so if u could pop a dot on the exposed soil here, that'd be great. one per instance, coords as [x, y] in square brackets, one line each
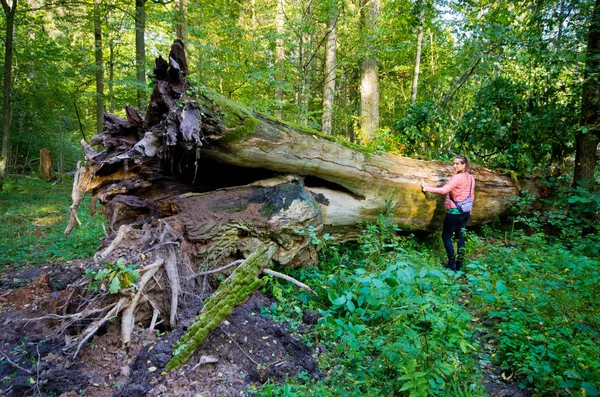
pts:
[243, 353]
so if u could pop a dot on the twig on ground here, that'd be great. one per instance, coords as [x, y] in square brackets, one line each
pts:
[14, 364]
[243, 351]
[290, 279]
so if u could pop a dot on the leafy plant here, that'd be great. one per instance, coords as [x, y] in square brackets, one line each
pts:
[113, 277]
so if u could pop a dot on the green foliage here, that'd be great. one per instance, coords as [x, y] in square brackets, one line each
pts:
[34, 214]
[114, 276]
[540, 299]
[391, 324]
[569, 214]
[517, 126]
[424, 131]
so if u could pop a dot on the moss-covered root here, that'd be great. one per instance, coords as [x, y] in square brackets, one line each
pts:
[242, 283]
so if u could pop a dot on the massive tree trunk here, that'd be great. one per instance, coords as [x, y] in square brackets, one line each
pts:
[200, 182]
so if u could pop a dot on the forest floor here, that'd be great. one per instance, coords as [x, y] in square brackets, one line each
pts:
[244, 352]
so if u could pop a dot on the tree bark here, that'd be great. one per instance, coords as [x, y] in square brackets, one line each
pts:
[45, 165]
[181, 20]
[369, 80]
[9, 12]
[330, 70]
[587, 142]
[279, 58]
[99, 67]
[140, 51]
[415, 82]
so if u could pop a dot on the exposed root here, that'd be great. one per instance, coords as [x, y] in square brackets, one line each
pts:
[123, 231]
[128, 316]
[173, 276]
[290, 279]
[95, 326]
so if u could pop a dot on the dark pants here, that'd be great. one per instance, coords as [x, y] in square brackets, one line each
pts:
[454, 224]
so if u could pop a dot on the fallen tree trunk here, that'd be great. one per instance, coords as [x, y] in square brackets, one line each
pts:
[200, 182]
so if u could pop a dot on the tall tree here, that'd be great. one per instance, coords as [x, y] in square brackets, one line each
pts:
[181, 20]
[140, 51]
[369, 80]
[586, 140]
[279, 58]
[99, 67]
[9, 12]
[330, 69]
[415, 82]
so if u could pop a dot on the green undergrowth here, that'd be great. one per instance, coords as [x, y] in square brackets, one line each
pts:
[394, 322]
[33, 217]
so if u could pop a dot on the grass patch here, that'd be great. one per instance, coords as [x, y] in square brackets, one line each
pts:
[33, 215]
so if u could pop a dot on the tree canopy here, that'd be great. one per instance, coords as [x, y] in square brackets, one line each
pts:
[500, 82]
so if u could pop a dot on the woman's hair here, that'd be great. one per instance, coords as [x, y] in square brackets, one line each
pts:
[464, 160]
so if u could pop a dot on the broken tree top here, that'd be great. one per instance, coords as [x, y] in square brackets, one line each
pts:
[198, 154]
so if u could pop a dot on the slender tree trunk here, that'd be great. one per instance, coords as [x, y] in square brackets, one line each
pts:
[369, 80]
[587, 143]
[111, 76]
[180, 20]
[330, 70]
[140, 51]
[415, 82]
[9, 12]
[99, 67]
[279, 58]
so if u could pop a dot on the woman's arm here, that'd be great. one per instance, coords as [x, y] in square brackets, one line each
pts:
[452, 183]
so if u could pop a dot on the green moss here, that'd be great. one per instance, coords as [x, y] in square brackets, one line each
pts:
[242, 122]
[239, 120]
[242, 283]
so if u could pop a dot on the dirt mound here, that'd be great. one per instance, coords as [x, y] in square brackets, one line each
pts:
[244, 352]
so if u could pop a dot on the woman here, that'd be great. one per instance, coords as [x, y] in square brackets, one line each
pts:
[460, 188]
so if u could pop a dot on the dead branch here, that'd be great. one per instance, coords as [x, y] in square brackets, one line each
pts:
[206, 273]
[290, 279]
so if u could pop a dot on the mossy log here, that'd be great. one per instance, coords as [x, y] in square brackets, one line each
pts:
[232, 292]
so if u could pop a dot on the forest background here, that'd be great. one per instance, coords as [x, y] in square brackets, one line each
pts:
[510, 84]
[498, 81]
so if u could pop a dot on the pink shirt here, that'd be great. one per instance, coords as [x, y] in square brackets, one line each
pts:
[458, 186]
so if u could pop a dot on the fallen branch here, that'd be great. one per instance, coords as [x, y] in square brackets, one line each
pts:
[290, 279]
[206, 273]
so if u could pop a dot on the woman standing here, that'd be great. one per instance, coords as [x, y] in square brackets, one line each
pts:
[459, 201]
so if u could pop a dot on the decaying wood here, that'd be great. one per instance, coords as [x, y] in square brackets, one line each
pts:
[199, 183]
[45, 164]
